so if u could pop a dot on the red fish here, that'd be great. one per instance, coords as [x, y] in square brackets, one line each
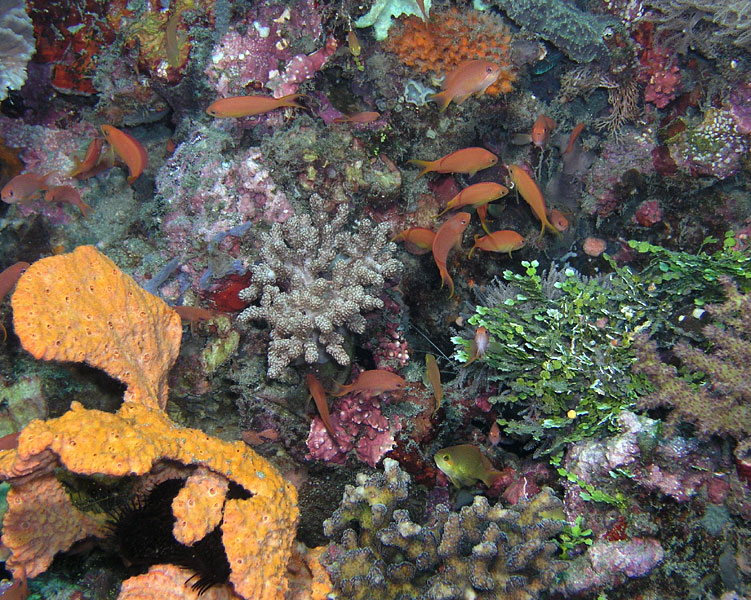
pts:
[558, 220]
[467, 160]
[376, 382]
[129, 149]
[246, 106]
[449, 234]
[476, 195]
[319, 397]
[24, 188]
[90, 159]
[573, 137]
[361, 118]
[541, 131]
[494, 435]
[498, 241]
[478, 346]
[68, 195]
[528, 189]
[417, 240]
[470, 77]
[8, 279]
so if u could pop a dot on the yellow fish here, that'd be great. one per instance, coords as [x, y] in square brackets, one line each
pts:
[466, 464]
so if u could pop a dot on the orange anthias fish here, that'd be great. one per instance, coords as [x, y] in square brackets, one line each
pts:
[8, 279]
[465, 464]
[376, 382]
[573, 137]
[446, 238]
[129, 149]
[470, 77]
[528, 189]
[247, 106]
[434, 377]
[90, 159]
[68, 195]
[362, 118]
[478, 346]
[467, 160]
[482, 213]
[24, 188]
[498, 241]
[319, 397]
[541, 131]
[494, 435]
[476, 195]
[417, 240]
[558, 220]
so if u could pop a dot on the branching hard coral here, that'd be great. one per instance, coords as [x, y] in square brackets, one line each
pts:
[720, 403]
[16, 45]
[256, 529]
[313, 282]
[480, 552]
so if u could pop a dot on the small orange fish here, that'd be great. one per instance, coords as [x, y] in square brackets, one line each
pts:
[417, 240]
[476, 195]
[319, 397]
[376, 382]
[434, 377]
[528, 189]
[449, 234]
[8, 279]
[573, 137]
[90, 159]
[353, 43]
[498, 241]
[129, 149]
[68, 195]
[465, 464]
[24, 188]
[482, 213]
[194, 314]
[246, 106]
[467, 160]
[470, 77]
[541, 131]
[494, 435]
[170, 146]
[478, 346]
[361, 118]
[558, 220]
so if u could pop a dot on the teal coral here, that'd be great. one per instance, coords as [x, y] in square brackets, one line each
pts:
[483, 552]
[382, 12]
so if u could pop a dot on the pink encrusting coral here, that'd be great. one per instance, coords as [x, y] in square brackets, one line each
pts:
[263, 49]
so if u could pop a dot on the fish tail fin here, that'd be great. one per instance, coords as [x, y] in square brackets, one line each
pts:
[445, 277]
[475, 247]
[473, 356]
[444, 211]
[443, 99]
[425, 165]
[491, 477]
[289, 100]
[85, 209]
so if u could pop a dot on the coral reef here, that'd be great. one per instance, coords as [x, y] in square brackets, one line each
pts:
[128, 340]
[314, 281]
[481, 551]
[452, 37]
[16, 45]
[381, 14]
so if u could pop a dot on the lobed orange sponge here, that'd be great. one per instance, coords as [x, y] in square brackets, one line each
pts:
[167, 582]
[80, 307]
[452, 37]
[198, 506]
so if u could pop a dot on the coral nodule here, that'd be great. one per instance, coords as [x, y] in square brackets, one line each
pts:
[314, 281]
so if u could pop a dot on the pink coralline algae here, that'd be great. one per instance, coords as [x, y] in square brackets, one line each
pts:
[661, 75]
[360, 425]
[648, 213]
[261, 50]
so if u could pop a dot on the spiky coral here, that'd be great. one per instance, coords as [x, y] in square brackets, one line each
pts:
[721, 404]
[452, 37]
[315, 280]
[481, 552]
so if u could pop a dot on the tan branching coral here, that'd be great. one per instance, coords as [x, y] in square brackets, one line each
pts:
[314, 281]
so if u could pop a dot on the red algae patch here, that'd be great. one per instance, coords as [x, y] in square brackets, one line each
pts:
[594, 246]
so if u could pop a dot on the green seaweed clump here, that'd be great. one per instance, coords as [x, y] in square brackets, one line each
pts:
[482, 552]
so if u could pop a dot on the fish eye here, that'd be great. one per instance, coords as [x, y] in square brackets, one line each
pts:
[447, 458]
[608, 33]
[489, 70]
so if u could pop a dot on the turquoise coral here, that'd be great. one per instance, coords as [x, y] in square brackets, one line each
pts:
[382, 12]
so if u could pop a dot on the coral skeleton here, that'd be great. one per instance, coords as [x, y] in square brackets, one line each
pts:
[314, 281]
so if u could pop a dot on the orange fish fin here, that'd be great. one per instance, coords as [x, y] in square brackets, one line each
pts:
[425, 165]
[289, 100]
[85, 209]
[445, 277]
[443, 99]
[461, 99]
[491, 477]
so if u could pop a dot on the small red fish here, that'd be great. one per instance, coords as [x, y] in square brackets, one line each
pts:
[319, 397]
[8, 279]
[90, 159]
[24, 188]
[541, 131]
[362, 118]
[417, 240]
[573, 137]
[529, 190]
[246, 106]
[467, 160]
[476, 195]
[376, 382]
[129, 149]
[470, 77]
[494, 435]
[449, 234]
[68, 195]
[478, 346]
[558, 220]
[498, 241]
